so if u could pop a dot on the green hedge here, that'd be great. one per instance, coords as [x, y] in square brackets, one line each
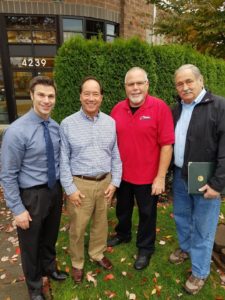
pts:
[109, 62]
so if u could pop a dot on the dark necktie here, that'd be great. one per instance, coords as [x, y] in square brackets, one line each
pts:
[50, 156]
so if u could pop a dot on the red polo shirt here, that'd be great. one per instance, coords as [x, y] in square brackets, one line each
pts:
[141, 136]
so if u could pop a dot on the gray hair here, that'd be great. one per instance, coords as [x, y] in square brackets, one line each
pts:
[136, 69]
[195, 70]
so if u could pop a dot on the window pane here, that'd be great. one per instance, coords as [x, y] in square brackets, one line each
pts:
[72, 25]
[67, 35]
[90, 35]
[43, 23]
[18, 22]
[3, 107]
[110, 38]
[19, 37]
[94, 26]
[21, 86]
[110, 29]
[44, 37]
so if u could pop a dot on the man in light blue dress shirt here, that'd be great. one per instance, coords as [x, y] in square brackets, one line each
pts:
[90, 172]
[24, 178]
[199, 137]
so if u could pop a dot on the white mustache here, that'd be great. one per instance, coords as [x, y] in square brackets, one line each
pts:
[187, 91]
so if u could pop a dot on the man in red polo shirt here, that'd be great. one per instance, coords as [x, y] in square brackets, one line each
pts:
[145, 135]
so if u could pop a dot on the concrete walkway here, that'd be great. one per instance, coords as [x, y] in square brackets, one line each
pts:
[12, 284]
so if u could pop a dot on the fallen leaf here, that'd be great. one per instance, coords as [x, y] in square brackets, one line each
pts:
[219, 298]
[157, 275]
[123, 259]
[90, 278]
[171, 215]
[221, 216]
[110, 294]
[18, 250]
[9, 228]
[109, 277]
[3, 276]
[154, 279]
[132, 296]
[109, 249]
[124, 273]
[153, 292]
[157, 230]
[177, 281]
[4, 258]
[162, 242]
[67, 269]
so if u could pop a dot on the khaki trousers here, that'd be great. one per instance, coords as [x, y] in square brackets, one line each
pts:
[93, 207]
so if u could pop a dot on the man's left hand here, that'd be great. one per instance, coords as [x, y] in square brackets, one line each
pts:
[209, 193]
[158, 185]
[109, 192]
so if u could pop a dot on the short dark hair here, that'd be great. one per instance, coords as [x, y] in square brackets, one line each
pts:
[44, 80]
[91, 78]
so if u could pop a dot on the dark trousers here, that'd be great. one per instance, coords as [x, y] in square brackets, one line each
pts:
[147, 210]
[37, 243]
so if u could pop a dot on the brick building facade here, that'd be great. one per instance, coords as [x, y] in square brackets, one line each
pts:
[31, 32]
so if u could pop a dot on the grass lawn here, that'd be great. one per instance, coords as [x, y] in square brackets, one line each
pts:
[160, 280]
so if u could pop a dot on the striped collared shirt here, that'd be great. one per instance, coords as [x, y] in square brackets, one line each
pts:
[88, 147]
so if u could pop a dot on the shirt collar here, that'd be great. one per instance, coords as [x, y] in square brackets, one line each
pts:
[35, 117]
[89, 118]
[197, 99]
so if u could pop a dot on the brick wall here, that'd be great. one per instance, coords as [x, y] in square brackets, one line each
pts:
[134, 16]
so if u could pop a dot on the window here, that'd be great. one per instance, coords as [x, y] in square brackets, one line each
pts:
[3, 107]
[89, 28]
[27, 30]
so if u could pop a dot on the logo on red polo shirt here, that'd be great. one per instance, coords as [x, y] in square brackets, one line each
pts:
[145, 118]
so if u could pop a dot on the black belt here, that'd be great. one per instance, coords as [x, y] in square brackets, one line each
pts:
[94, 178]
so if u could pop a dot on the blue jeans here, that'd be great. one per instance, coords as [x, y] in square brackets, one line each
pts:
[196, 221]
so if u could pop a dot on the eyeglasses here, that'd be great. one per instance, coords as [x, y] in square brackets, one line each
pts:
[138, 83]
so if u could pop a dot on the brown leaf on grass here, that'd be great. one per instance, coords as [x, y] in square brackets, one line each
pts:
[219, 298]
[158, 289]
[154, 279]
[97, 271]
[109, 249]
[171, 215]
[123, 259]
[157, 230]
[124, 273]
[90, 278]
[67, 269]
[110, 294]
[109, 277]
[177, 281]
[144, 280]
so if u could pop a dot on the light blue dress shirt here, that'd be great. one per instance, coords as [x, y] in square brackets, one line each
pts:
[182, 128]
[88, 147]
[23, 157]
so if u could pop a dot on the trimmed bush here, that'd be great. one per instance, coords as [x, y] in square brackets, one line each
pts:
[109, 62]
